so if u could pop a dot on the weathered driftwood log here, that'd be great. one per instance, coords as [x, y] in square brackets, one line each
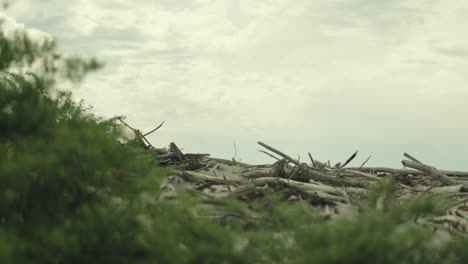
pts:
[195, 177]
[316, 197]
[288, 158]
[350, 172]
[430, 171]
[230, 162]
[159, 151]
[319, 185]
[455, 173]
[309, 187]
[164, 156]
[196, 155]
[176, 151]
[377, 170]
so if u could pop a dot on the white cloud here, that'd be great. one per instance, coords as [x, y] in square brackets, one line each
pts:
[10, 27]
[382, 74]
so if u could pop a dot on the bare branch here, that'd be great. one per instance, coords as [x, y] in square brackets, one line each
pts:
[154, 129]
[269, 154]
[364, 163]
[430, 171]
[349, 159]
[312, 160]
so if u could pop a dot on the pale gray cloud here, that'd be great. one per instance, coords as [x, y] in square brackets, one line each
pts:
[322, 76]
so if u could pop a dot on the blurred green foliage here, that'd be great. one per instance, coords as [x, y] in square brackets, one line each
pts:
[71, 193]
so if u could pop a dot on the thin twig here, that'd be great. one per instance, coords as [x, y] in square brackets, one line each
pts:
[323, 166]
[269, 154]
[125, 123]
[312, 160]
[288, 158]
[146, 140]
[154, 129]
[297, 169]
[364, 163]
[349, 159]
[136, 132]
[235, 152]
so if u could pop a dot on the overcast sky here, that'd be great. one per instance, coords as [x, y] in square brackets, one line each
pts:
[325, 76]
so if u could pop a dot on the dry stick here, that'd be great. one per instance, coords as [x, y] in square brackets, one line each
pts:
[411, 189]
[432, 172]
[288, 158]
[316, 165]
[154, 129]
[387, 170]
[278, 167]
[235, 152]
[312, 160]
[322, 166]
[411, 157]
[455, 173]
[364, 163]
[346, 196]
[349, 159]
[195, 176]
[296, 171]
[136, 131]
[269, 154]
[227, 184]
[308, 187]
[230, 162]
[176, 151]
[125, 123]
[244, 190]
[350, 172]
[146, 140]
[311, 170]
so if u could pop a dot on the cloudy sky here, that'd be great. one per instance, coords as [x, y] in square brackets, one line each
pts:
[325, 76]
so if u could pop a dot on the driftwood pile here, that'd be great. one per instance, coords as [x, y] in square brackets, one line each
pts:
[333, 189]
